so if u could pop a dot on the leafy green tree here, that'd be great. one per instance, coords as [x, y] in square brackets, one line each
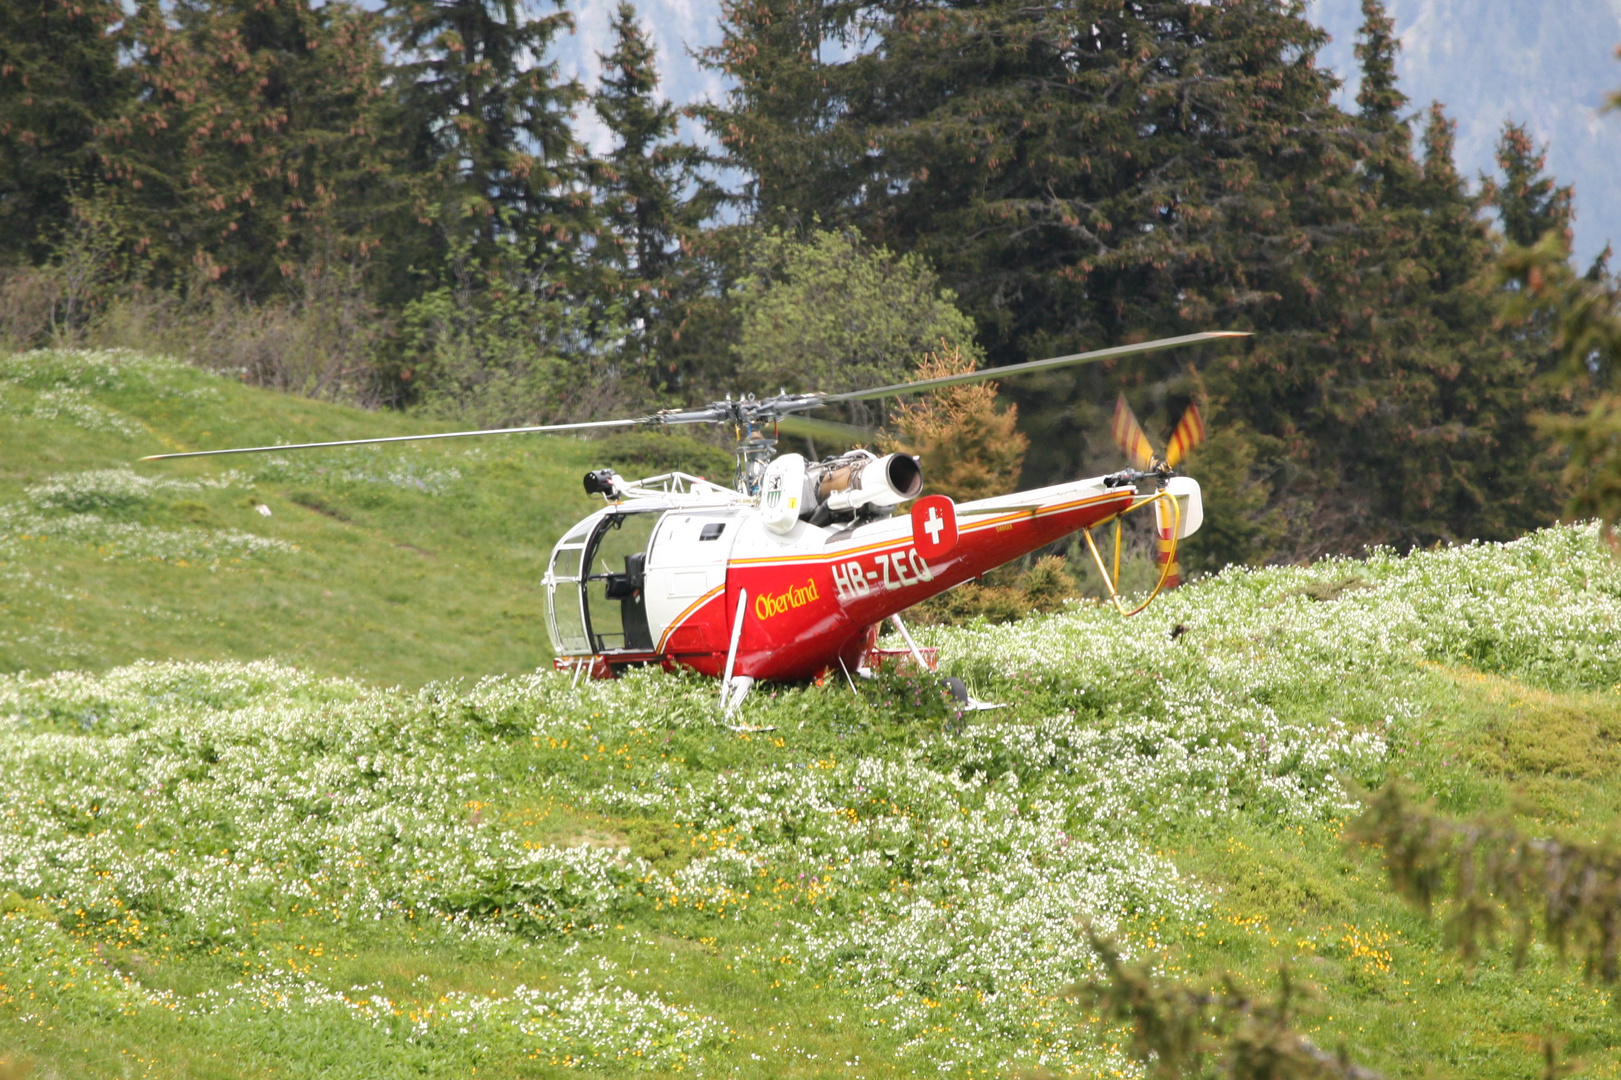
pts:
[59, 82]
[651, 194]
[829, 313]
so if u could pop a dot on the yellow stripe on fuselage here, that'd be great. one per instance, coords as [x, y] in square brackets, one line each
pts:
[675, 623]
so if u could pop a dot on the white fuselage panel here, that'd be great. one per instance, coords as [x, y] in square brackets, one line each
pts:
[687, 559]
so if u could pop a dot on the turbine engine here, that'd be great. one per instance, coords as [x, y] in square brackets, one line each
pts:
[859, 484]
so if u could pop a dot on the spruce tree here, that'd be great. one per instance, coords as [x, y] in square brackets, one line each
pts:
[1377, 95]
[1093, 173]
[650, 192]
[259, 139]
[1080, 175]
[1529, 202]
[59, 81]
[1433, 422]
[775, 123]
[490, 122]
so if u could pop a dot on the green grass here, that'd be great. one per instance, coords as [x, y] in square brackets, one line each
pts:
[392, 581]
[229, 869]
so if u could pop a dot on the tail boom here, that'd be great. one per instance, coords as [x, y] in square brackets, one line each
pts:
[810, 609]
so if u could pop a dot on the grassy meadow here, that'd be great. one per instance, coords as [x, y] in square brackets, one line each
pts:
[396, 564]
[288, 796]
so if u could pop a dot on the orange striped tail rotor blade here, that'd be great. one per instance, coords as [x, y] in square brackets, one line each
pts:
[1167, 551]
[1128, 435]
[1189, 433]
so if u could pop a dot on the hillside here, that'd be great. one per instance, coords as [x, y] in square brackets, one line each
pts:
[397, 564]
[235, 869]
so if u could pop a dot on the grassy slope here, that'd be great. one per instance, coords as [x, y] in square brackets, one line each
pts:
[228, 870]
[392, 582]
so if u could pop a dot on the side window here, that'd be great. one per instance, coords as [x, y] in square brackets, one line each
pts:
[567, 623]
[712, 531]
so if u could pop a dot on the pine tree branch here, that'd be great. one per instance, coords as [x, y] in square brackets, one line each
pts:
[1177, 1031]
[1493, 876]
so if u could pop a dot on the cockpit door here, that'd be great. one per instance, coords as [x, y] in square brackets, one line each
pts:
[686, 567]
[565, 609]
[615, 581]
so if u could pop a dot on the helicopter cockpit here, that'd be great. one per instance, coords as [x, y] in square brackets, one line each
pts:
[597, 582]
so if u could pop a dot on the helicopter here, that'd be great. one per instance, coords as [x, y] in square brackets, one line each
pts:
[789, 572]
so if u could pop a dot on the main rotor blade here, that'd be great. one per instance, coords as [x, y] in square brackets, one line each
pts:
[830, 430]
[401, 438]
[1189, 434]
[1128, 435]
[1036, 365]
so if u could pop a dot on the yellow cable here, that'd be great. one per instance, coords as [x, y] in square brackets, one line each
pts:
[1119, 528]
[1165, 571]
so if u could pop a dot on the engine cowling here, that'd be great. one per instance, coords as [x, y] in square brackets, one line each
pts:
[857, 484]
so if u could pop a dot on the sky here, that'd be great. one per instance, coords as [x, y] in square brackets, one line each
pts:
[1545, 63]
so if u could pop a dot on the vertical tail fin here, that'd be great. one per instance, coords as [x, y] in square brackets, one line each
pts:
[1164, 542]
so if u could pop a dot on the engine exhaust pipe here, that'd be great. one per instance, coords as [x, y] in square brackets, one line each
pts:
[886, 481]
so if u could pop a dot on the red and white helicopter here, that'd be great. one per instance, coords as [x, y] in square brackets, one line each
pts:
[788, 574]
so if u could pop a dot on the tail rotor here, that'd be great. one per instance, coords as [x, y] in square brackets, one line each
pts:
[1130, 438]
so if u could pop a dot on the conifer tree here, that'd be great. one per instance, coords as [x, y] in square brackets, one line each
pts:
[491, 124]
[1529, 202]
[1377, 95]
[1080, 175]
[650, 193]
[774, 125]
[1435, 415]
[1093, 173]
[59, 81]
[969, 444]
[258, 141]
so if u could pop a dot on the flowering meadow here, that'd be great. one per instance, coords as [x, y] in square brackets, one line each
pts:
[227, 868]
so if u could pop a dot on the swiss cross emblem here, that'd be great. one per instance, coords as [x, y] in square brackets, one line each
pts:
[934, 525]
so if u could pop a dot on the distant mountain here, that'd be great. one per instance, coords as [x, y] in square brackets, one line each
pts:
[1545, 63]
